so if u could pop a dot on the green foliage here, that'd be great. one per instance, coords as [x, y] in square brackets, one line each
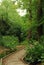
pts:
[8, 16]
[12, 24]
[35, 53]
[25, 42]
[2, 55]
[9, 42]
[42, 40]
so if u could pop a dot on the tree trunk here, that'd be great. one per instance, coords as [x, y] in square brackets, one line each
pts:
[30, 10]
[30, 18]
[39, 17]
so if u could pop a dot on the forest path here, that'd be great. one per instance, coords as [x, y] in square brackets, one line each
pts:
[15, 58]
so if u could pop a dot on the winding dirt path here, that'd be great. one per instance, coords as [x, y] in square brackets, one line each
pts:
[15, 59]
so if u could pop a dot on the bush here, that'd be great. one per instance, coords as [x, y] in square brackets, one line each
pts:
[42, 40]
[9, 42]
[0, 40]
[2, 55]
[35, 53]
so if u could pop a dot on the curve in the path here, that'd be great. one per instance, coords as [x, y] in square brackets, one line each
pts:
[15, 59]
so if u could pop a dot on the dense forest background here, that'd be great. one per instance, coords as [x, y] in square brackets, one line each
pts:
[25, 30]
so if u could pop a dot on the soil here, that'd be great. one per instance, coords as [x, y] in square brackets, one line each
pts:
[2, 49]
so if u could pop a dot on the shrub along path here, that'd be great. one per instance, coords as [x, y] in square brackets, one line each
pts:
[3, 49]
[15, 58]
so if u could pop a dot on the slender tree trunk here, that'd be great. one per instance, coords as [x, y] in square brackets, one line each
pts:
[30, 18]
[30, 10]
[39, 17]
